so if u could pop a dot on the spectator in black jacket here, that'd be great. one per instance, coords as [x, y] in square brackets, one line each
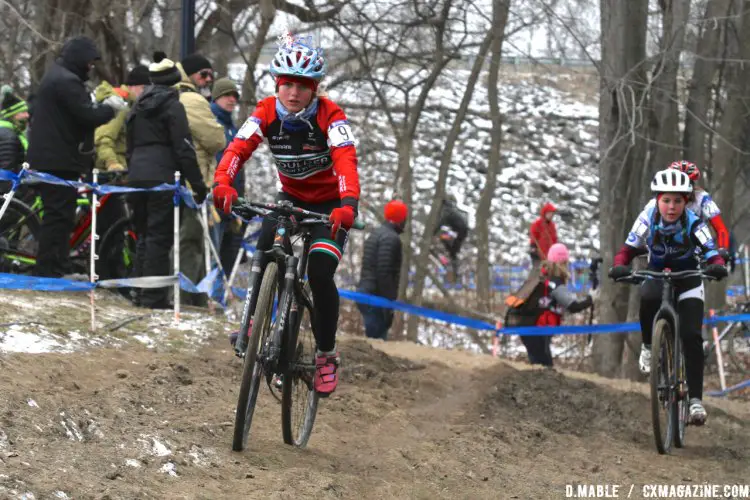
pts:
[381, 265]
[453, 227]
[158, 145]
[14, 115]
[61, 142]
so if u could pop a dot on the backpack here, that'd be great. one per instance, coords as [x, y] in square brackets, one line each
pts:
[523, 305]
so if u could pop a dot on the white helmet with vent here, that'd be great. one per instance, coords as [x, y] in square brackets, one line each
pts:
[671, 181]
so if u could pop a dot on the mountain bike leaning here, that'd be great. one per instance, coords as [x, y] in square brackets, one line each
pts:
[276, 336]
[667, 379]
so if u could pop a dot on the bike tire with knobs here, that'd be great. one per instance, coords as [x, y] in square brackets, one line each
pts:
[681, 411]
[299, 401]
[662, 373]
[252, 371]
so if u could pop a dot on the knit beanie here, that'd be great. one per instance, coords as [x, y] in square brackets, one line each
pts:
[395, 211]
[138, 76]
[222, 87]
[194, 63]
[307, 82]
[163, 71]
[11, 103]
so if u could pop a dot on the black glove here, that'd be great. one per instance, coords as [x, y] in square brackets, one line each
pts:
[617, 272]
[199, 193]
[717, 271]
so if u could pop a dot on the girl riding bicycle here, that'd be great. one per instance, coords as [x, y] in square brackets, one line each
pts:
[674, 238]
[701, 203]
[314, 149]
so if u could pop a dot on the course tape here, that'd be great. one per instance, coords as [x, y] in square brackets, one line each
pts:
[34, 177]
[726, 391]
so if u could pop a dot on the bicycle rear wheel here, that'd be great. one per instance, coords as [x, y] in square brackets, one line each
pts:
[739, 349]
[299, 401]
[252, 372]
[117, 251]
[662, 375]
[20, 228]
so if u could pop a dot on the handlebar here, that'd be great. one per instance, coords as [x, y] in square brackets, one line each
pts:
[248, 209]
[637, 277]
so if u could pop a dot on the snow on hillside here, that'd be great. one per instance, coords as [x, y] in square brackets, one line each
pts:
[549, 153]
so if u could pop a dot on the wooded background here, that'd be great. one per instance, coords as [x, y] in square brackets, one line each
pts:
[674, 78]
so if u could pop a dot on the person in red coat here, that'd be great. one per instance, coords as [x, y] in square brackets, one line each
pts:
[543, 234]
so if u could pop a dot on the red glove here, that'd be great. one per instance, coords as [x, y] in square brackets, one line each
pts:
[341, 217]
[224, 195]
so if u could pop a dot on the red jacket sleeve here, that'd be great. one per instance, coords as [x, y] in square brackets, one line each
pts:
[245, 142]
[625, 256]
[722, 234]
[343, 153]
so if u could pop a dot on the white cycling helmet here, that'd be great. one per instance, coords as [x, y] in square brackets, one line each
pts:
[297, 57]
[671, 181]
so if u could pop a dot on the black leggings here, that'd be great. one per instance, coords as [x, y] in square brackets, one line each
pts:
[321, 267]
[690, 311]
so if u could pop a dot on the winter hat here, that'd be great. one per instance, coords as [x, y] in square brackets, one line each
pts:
[11, 104]
[222, 87]
[138, 76]
[194, 63]
[395, 211]
[163, 71]
[307, 82]
[558, 253]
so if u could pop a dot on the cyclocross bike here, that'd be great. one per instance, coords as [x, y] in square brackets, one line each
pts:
[276, 335]
[669, 390]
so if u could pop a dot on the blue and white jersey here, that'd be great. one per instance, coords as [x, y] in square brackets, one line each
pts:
[703, 205]
[677, 246]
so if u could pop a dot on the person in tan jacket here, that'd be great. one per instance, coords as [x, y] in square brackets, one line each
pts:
[208, 138]
[109, 139]
[208, 134]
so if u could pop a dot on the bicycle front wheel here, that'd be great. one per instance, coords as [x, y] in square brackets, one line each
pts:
[661, 380]
[20, 228]
[299, 401]
[681, 411]
[252, 371]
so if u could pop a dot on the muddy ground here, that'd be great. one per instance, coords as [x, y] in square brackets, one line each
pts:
[147, 411]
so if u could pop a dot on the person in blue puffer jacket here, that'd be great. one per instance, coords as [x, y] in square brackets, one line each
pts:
[227, 235]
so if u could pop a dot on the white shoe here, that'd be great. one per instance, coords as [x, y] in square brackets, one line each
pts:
[697, 412]
[644, 362]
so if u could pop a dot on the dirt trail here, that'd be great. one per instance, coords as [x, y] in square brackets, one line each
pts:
[407, 422]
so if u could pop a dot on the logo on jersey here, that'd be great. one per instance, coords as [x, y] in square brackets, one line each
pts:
[302, 166]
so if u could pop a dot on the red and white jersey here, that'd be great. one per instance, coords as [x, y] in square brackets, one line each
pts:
[316, 163]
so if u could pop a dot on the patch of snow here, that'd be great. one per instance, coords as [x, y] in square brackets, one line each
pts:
[130, 462]
[32, 403]
[154, 446]
[169, 468]
[61, 494]
[71, 428]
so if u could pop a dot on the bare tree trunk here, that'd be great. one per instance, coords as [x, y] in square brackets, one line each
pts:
[665, 147]
[623, 29]
[728, 155]
[701, 83]
[499, 19]
[424, 246]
